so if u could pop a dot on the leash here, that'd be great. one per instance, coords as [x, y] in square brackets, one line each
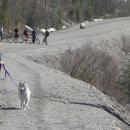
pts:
[6, 72]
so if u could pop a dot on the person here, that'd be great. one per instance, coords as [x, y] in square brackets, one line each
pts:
[1, 32]
[46, 34]
[25, 33]
[33, 35]
[16, 33]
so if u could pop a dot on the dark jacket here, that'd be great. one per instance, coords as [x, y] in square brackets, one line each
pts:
[33, 33]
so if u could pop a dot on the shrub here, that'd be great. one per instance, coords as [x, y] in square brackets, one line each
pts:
[92, 66]
[102, 67]
[124, 82]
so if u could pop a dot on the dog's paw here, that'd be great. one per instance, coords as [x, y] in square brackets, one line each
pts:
[28, 107]
[24, 109]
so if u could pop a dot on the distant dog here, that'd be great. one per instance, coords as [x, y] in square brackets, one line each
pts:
[82, 26]
[24, 95]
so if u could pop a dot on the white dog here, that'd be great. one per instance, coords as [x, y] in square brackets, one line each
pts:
[24, 95]
[82, 26]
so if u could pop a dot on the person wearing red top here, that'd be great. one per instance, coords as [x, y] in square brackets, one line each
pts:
[25, 33]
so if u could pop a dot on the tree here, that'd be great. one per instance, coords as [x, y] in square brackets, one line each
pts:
[89, 12]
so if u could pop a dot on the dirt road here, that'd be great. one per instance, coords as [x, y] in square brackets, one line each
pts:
[59, 102]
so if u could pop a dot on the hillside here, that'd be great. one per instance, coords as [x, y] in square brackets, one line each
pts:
[59, 102]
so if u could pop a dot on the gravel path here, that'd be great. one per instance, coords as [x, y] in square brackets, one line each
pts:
[59, 102]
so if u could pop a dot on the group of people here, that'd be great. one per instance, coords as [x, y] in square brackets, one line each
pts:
[26, 34]
[33, 34]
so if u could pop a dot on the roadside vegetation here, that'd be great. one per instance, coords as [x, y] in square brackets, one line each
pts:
[55, 13]
[108, 72]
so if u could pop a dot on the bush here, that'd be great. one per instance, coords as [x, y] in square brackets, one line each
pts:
[101, 68]
[124, 82]
[92, 66]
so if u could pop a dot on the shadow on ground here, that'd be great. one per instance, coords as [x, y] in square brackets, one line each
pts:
[9, 108]
[106, 108]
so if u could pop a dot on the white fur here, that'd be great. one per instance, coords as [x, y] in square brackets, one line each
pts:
[82, 26]
[24, 95]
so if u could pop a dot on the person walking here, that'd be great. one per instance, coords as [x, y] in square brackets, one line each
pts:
[16, 34]
[46, 34]
[1, 33]
[33, 35]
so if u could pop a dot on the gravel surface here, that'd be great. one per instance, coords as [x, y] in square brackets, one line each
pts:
[59, 102]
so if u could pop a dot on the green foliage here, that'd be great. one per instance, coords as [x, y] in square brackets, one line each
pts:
[10, 15]
[41, 13]
[89, 12]
[124, 82]
[78, 11]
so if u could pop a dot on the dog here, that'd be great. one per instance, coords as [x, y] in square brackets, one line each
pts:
[82, 26]
[24, 95]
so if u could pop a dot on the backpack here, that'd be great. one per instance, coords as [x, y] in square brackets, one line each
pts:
[47, 33]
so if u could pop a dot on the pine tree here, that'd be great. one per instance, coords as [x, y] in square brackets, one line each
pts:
[78, 11]
[89, 13]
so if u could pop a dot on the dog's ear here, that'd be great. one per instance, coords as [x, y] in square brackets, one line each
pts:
[20, 83]
[23, 83]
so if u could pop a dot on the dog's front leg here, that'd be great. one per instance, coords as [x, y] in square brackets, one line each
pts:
[27, 104]
[22, 104]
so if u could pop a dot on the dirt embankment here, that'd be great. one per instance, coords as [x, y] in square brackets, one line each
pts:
[58, 102]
